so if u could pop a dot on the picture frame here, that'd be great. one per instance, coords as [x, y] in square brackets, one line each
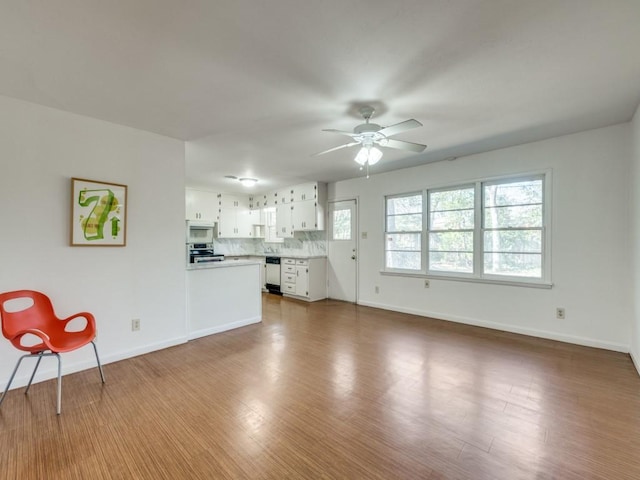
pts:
[98, 213]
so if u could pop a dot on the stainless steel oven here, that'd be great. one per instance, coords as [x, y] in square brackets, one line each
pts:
[273, 274]
[202, 253]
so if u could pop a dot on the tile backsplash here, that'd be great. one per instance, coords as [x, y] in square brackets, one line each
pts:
[303, 243]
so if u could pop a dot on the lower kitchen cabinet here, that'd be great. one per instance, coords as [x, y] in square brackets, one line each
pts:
[304, 278]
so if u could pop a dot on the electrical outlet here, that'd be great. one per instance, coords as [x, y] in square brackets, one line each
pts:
[377, 288]
[427, 284]
[560, 313]
[135, 325]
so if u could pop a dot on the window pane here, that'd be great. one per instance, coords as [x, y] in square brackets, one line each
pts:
[451, 242]
[451, 209]
[404, 241]
[404, 223]
[459, 262]
[404, 214]
[520, 216]
[402, 205]
[513, 241]
[404, 260]
[451, 199]
[452, 220]
[514, 204]
[516, 264]
[525, 192]
[342, 224]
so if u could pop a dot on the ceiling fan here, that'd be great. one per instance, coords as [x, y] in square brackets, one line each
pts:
[371, 135]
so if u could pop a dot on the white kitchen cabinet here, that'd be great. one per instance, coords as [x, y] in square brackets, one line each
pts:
[284, 196]
[257, 201]
[270, 233]
[234, 217]
[284, 222]
[309, 206]
[307, 216]
[305, 191]
[201, 205]
[270, 200]
[304, 278]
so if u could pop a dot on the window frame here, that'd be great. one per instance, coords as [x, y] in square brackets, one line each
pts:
[478, 275]
[420, 232]
[429, 230]
[543, 240]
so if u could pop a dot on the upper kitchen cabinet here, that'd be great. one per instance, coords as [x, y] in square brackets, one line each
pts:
[284, 223]
[306, 191]
[201, 205]
[234, 218]
[257, 201]
[309, 206]
[284, 196]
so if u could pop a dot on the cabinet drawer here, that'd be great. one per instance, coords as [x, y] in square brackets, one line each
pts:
[289, 278]
[289, 269]
[288, 288]
[288, 261]
[303, 263]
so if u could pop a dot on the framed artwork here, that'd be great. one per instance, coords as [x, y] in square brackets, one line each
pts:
[98, 213]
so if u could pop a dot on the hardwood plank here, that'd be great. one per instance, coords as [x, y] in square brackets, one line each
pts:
[334, 390]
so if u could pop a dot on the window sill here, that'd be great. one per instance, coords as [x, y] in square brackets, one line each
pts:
[491, 281]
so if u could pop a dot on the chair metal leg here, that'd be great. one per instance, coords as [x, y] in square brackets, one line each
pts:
[12, 376]
[34, 372]
[59, 382]
[95, 349]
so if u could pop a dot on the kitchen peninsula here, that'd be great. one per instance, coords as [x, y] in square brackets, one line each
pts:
[222, 296]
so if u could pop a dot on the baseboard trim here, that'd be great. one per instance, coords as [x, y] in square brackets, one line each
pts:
[45, 373]
[587, 342]
[635, 362]
[223, 328]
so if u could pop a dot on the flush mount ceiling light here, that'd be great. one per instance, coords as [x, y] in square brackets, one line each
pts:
[248, 182]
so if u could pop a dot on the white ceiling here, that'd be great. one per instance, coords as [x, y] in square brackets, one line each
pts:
[249, 84]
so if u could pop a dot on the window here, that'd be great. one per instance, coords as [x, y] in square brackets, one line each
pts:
[341, 224]
[494, 230]
[451, 229]
[403, 246]
[512, 235]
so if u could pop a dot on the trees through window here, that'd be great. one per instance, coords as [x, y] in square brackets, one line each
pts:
[486, 229]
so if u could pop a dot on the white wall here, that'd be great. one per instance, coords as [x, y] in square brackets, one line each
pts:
[40, 150]
[635, 225]
[591, 271]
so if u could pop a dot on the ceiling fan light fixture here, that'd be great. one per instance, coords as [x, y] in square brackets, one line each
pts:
[248, 182]
[368, 154]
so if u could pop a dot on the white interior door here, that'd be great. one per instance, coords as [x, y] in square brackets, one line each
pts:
[343, 254]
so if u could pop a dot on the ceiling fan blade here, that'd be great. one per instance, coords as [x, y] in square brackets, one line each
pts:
[336, 148]
[402, 145]
[400, 127]
[341, 132]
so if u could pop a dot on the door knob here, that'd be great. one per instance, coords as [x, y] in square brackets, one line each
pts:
[353, 257]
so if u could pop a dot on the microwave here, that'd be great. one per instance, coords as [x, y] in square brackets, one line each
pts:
[200, 232]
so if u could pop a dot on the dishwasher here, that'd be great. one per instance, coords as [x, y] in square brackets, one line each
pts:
[273, 274]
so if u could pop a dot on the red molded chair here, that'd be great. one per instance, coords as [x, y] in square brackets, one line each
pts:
[38, 321]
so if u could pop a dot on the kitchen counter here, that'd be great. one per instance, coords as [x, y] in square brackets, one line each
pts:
[223, 295]
[279, 255]
[224, 263]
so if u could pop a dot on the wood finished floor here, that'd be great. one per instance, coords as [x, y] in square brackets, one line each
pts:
[332, 390]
